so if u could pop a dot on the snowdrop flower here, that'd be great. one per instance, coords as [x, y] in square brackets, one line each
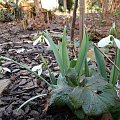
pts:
[107, 40]
[38, 68]
[4, 69]
[41, 39]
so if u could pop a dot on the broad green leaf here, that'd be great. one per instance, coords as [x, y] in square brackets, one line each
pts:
[82, 54]
[115, 111]
[73, 63]
[59, 95]
[65, 56]
[80, 114]
[56, 53]
[71, 77]
[96, 81]
[75, 97]
[98, 96]
[114, 72]
[101, 63]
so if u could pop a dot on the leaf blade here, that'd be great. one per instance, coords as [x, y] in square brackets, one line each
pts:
[100, 62]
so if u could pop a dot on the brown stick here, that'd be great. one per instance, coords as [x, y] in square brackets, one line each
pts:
[73, 21]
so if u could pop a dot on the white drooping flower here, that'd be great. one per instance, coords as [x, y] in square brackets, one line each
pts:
[37, 41]
[38, 68]
[6, 69]
[41, 39]
[107, 40]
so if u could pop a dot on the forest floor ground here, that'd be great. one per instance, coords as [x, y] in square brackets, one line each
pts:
[19, 85]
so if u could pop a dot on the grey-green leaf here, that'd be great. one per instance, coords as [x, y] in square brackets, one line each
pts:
[98, 96]
[56, 53]
[82, 54]
[114, 72]
[101, 63]
[65, 56]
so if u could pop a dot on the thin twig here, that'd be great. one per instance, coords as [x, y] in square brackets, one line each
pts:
[107, 57]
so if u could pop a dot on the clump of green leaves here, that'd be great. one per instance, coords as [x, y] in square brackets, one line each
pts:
[94, 5]
[85, 91]
[117, 12]
[8, 12]
[76, 87]
[6, 15]
[69, 4]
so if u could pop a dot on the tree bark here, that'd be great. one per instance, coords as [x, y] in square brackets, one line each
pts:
[65, 5]
[105, 7]
[73, 21]
[38, 6]
[81, 21]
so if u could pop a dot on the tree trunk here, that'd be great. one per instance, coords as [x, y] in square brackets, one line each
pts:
[81, 21]
[65, 5]
[73, 21]
[38, 6]
[105, 7]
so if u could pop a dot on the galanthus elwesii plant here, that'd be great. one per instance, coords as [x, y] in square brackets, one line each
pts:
[84, 90]
[112, 41]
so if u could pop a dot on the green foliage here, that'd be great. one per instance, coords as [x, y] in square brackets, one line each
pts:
[82, 54]
[114, 72]
[69, 4]
[6, 15]
[83, 91]
[94, 5]
[117, 13]
[113, 30]
[86, 95]
[95, 96]
[100, 62]
[8, 12]
[106, 41]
